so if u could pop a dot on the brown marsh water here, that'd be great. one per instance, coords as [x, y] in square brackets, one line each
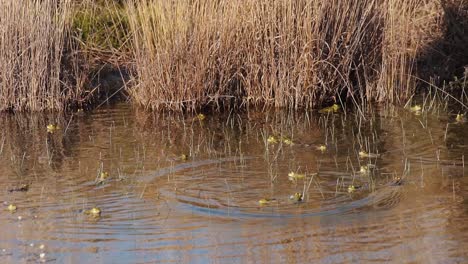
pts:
[409, 205]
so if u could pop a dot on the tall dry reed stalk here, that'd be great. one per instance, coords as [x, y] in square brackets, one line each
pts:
[401, 43]
[282, 53]
[32, 37]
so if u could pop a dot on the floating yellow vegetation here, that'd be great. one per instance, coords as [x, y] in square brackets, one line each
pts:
[201, 117]
[322, 148]
[265, 201]
[52, 128]
[397, 181]
[12, 208]
[297, 197]
[184, 156]
[416, 109]
[95, 212]
[287, 141]
[351, 188]
[364, 154]
[364, 170]
[103, 176]
[331, 109]
[460, 118]
[295, 176]
[272, 140]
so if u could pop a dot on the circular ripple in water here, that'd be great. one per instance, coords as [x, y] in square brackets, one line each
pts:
[223, 187]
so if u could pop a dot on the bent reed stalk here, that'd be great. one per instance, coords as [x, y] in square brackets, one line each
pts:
[296, 54]
[32, 36]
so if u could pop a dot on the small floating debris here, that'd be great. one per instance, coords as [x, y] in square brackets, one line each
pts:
[460, 118]
[201, 117]
[364, 154]
[52, 128]
[12, 208]
[21, 188]
[272, 140]
[297, 197]
[322, 148]
[42, 255]
[265, 201]
[295, 176]
[331, 109]
[95, 212]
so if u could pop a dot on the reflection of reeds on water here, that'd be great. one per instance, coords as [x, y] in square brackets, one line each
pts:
[127, 149]
[230, 171]
[26, 140]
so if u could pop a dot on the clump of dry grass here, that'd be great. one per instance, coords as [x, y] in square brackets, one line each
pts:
[101, 30]
[295, 54]
[31, 50]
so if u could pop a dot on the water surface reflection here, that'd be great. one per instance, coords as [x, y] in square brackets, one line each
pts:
[187, 190]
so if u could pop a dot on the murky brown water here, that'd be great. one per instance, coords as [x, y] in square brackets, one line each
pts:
[158, 207]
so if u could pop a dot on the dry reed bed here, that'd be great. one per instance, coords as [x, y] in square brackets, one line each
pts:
[31, 50]
[283, 53]
[190, 54]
